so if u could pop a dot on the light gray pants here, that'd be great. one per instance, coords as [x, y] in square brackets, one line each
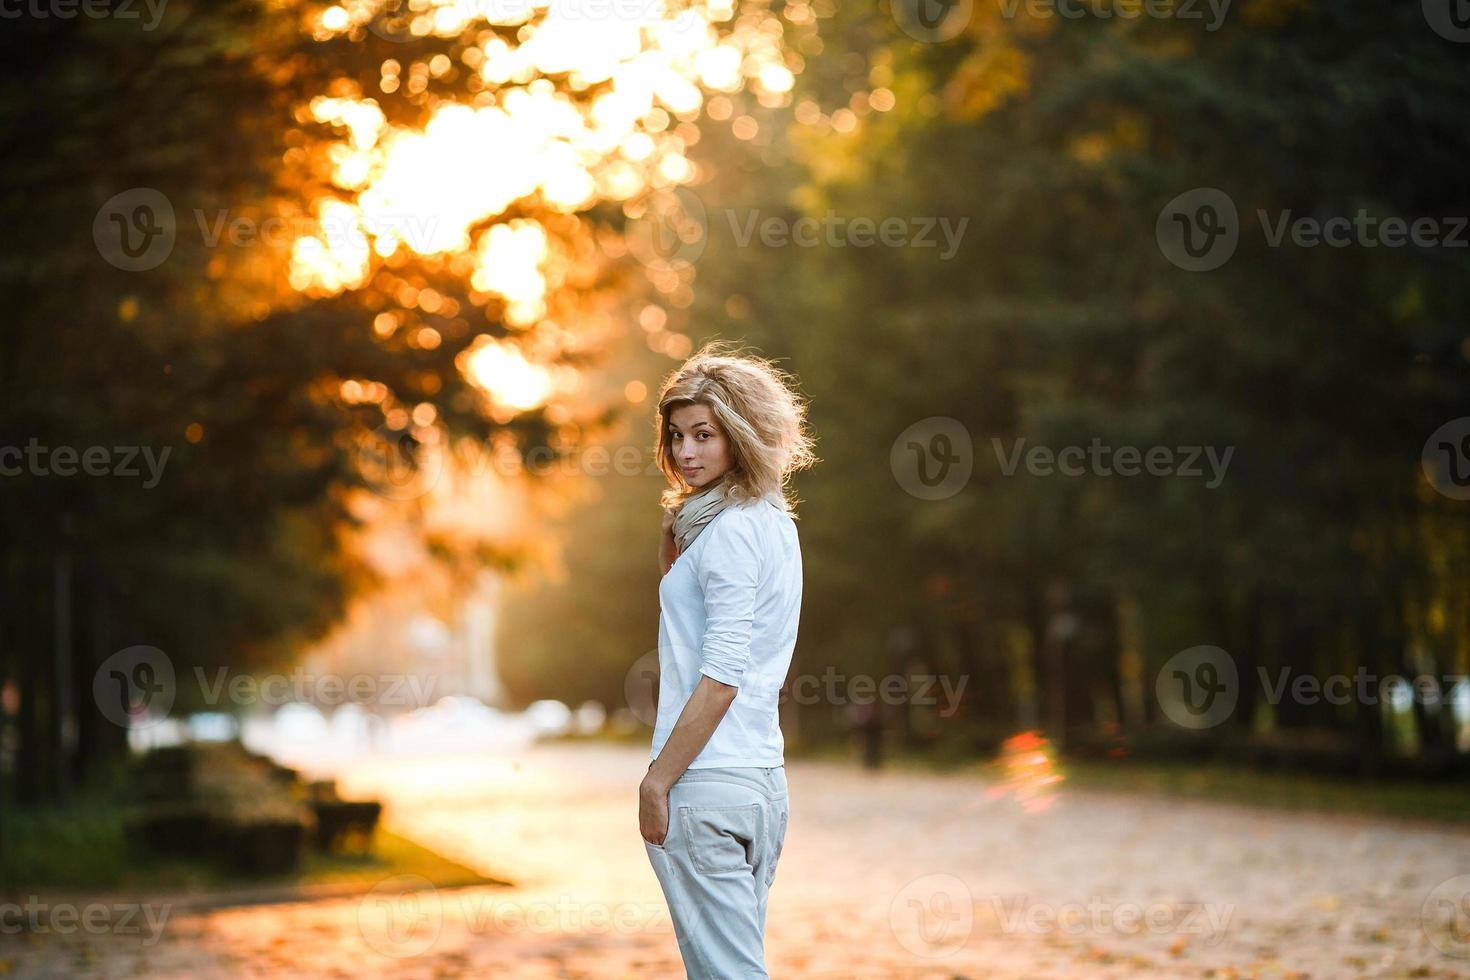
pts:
[716, 865]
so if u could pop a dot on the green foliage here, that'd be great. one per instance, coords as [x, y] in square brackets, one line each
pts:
[1060, 320]
[237, 554]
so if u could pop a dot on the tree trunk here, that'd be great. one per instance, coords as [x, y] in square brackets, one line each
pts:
[62, 730]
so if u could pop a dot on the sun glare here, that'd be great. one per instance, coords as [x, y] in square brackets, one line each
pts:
[425, 190]
[503, 371]
[528, 137]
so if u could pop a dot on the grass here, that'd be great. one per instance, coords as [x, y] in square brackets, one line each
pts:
[1443, 801]
[391, 855]
[83, 847]
[638, 736]
[1446, 801]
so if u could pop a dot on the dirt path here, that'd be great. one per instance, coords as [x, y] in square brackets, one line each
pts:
[897, 875]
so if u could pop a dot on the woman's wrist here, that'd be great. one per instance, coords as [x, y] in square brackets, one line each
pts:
[654, 785]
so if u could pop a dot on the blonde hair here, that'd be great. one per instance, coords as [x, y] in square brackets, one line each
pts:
[760, 412]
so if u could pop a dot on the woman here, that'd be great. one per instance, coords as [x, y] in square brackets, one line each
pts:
[712, 809]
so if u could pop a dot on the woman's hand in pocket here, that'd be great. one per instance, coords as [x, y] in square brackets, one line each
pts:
[653, 811]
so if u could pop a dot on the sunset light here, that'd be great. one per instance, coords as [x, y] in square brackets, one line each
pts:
[427, 190]
[955, 489]
[503, 371]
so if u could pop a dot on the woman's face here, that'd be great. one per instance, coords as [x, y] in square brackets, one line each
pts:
[699, 446]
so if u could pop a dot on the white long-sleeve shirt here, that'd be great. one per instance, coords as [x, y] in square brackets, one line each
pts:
[728, 609]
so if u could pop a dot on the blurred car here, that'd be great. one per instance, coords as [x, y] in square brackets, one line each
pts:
[548, 717]
[296, 722]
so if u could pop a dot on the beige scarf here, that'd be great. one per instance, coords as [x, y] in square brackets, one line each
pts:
[698, 509]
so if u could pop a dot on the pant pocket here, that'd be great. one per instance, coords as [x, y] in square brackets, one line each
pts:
[719, 838]
[776, 845]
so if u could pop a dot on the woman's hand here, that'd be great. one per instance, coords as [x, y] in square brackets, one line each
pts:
[653, 811]
[668, 549]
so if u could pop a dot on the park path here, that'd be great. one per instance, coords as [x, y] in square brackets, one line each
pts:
[887, 875]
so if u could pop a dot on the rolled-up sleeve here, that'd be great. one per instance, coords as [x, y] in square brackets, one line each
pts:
[729, 572]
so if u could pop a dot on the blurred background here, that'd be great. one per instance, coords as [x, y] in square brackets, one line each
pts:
[1136, 624]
